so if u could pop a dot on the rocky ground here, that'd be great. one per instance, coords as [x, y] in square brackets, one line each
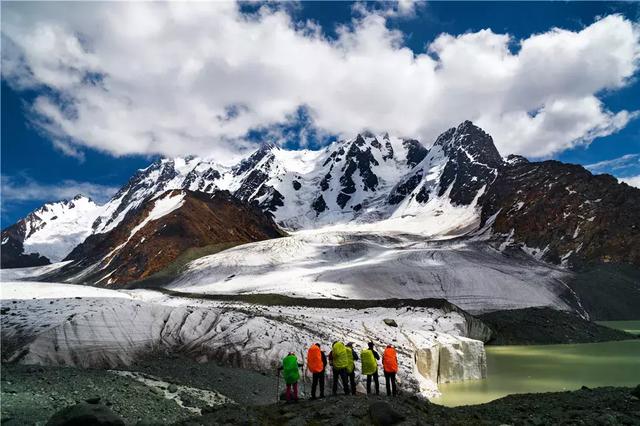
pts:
[601, 406]
[177, 391]
[32, 394]
[538, 326]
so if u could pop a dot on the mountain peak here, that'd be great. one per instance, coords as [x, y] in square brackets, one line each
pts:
[475, 142]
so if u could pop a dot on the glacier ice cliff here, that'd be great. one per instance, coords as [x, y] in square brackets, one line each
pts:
[433, 345]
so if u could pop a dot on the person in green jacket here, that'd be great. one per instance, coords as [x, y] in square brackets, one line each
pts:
[291, 375]
[370, 359]
[352, 357]
[339, 361]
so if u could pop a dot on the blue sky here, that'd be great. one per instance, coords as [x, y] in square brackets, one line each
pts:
[45, 157]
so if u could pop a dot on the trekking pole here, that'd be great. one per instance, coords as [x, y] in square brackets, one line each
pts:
[278, 387]
[304, 376]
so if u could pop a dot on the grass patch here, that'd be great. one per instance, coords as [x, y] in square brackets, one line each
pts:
[171, 271]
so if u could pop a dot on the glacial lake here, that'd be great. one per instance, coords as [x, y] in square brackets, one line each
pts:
[548, 368]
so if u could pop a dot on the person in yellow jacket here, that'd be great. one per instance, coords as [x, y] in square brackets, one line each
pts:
[339, 361]
[352, 357]
[370, 359]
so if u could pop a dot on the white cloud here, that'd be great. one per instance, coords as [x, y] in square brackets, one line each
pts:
[162, 77]
[69, 150]
[616, 164]
[631, 180]
[26, 189]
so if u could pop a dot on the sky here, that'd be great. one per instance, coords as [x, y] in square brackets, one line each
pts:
[93, 91]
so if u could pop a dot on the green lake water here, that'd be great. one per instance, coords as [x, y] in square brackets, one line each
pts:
[548, 368]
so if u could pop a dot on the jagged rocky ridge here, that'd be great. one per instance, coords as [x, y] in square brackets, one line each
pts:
[556, 212]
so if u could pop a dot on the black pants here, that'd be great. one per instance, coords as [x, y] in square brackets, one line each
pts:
[352, 382]
[390, 379]
[317, 378]
[342, 373]
[375, 380]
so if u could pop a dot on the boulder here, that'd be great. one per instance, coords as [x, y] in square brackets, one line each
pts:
[390, 322]
[85, 414]
[383, 414]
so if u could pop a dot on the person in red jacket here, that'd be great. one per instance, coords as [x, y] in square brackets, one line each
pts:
[316, 363]
[390, 366]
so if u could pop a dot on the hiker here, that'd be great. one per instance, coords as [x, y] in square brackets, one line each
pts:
[338, 359]
[390, 367]
[370, 359]
[316, 363]
[291, 375]
[352, 357]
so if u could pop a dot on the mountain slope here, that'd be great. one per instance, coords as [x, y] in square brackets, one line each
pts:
[162, 228]
[381, 265]
[562, 213]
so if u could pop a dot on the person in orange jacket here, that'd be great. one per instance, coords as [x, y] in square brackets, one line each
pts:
[316, 363]
[390, 366]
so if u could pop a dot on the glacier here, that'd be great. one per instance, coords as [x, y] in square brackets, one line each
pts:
[380, 265]
[59, 324]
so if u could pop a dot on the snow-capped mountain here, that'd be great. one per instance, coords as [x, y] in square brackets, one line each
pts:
[459, 186]
[49, 233]
[363, 179]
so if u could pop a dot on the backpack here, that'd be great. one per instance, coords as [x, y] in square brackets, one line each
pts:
[290, 369]
[351, 365]
[314, 360]
[339, 354]
[390, 360]
[369, 364]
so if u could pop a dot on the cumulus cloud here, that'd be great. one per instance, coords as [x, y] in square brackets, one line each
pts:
[178, 78]
[26, 189]
[631, 180]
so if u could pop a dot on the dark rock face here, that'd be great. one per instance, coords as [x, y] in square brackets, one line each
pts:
[202, 220]
[202, 179]
[85, 414]
[388, 155]
[12, 252]
[415, 152]
[359, 157]
[541, 326]
[472, 164]
[578, 217]
[251, 183]
[254, 159]
[343, 199]
[404, 188]
[608, 291]
[319, 205]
